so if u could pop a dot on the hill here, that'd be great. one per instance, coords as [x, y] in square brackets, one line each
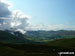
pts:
[12, 45]
[31, 50]
[16, 37]
[69, 43]
[10, 38]
[50, 35]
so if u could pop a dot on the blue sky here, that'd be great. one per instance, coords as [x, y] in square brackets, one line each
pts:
[47, 12]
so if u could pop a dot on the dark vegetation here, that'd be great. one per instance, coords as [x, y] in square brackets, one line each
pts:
[31, 50]
[11, 45]
[69, 43]
[9, 38]
[16, 38]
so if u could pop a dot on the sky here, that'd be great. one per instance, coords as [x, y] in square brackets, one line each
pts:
[47, 11]
[47, 14]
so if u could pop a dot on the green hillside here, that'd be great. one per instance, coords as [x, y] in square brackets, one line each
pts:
[9, 38]
[8, 51]
[30, 50]
[50, 35]
[70, 43]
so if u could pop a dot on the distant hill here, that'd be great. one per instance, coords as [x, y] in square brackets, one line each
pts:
[48, 35]
[35, 36]
[16, 37]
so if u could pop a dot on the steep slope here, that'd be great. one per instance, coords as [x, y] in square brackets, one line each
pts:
[9, 38]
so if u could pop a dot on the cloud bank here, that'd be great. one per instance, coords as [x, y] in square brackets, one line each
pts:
[4, 10]
[50, 27]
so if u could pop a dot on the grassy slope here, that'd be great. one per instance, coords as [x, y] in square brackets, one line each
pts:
[8, 51]
[23, 50]
[69, 43]
[9, 38]
[30, 50]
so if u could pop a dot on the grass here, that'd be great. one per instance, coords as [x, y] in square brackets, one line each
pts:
[30, 50]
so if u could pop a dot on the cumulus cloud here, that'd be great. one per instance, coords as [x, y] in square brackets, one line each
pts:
[19, 21]
[10, 19]
[4, 10]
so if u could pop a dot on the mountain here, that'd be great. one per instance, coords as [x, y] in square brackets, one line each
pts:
[10, 38]
[39, 37]
[16, 37]
[48, 35]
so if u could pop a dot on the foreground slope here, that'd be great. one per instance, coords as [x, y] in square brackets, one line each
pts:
[67, 42]
[50, 49]
[30, 50]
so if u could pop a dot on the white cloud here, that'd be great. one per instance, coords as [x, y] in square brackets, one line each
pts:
[51, 27]
[10, 19]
